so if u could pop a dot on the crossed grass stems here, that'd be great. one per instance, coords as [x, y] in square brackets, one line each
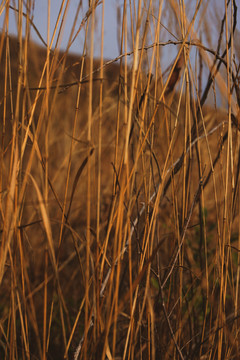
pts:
[164, 184]
[173, 170]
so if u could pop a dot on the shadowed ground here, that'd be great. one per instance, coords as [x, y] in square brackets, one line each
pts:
[72, 184]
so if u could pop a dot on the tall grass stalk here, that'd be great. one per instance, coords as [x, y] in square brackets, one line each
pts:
[119, 182]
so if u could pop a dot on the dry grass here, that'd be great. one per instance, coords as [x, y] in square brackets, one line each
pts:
[119, 188]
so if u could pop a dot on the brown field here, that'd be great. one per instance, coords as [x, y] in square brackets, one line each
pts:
[119, 204]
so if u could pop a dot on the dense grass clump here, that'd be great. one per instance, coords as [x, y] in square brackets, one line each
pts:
[119, 185]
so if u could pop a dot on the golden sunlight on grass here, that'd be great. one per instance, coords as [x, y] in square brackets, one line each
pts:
[119, 185]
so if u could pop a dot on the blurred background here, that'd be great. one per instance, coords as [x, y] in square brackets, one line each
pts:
[75, 12]
[77, 219]
[39, 11]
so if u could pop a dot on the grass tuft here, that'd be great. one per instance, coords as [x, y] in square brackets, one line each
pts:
[119, 184]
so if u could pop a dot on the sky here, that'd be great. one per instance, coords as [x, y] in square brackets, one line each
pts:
[40, 21]
[111, 43]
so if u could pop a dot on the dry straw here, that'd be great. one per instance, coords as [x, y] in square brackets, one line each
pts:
[119, 183]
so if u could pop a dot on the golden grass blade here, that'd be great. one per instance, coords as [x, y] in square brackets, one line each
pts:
[119, 181]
